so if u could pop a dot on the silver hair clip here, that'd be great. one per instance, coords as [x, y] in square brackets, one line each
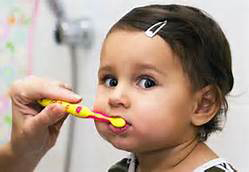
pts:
[151, 33]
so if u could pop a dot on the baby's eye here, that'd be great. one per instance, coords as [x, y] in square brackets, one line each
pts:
[110, 81]
[146, 82]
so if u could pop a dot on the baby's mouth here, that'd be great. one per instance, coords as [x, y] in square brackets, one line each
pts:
[119, 130]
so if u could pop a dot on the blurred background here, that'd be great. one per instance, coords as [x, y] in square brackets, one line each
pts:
[28, 46]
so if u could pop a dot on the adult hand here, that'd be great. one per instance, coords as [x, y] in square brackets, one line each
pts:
[34, 128]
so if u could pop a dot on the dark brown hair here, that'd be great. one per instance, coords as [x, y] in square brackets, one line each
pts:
[200, 44]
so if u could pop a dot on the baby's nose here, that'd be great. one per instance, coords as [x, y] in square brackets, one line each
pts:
[119, 98]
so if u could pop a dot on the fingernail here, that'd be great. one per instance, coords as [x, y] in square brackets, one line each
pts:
[67, 86]
[77, 96]
[59, 110]
[57, 107]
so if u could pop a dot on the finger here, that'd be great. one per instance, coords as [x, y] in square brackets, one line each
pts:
[59, 93]
[59, 123]
[64, 85]
[55, 90]
[50, 115]
[55, 129]
[33, 88]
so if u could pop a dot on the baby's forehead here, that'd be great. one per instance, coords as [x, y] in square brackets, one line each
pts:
[133, 40]
[135, 44]
[130, 34]
[137, 53]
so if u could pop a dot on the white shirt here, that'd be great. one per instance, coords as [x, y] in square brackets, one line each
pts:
[219, 164]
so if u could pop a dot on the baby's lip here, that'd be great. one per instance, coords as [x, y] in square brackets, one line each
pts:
[121, 130]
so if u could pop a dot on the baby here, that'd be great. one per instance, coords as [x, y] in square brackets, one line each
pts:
[166, 70]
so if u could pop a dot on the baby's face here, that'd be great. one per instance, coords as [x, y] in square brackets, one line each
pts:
[142, 81]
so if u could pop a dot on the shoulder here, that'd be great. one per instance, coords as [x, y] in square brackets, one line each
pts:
[120, 166]
[125, 165]
[216, 165]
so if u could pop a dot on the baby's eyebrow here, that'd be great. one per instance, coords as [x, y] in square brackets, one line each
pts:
[143, 66]
[104, 69]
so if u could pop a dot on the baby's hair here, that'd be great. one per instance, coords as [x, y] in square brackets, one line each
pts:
[199, 43]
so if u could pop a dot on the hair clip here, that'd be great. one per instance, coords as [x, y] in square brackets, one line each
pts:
[151, 33]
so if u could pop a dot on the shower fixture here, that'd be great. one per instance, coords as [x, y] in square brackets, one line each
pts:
[76, 34]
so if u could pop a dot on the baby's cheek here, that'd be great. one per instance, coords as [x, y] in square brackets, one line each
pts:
[148, 113]
[98, 105]
[100, 128]
[101, 101]
[95, 107]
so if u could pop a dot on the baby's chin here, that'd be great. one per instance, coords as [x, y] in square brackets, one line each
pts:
[122, 146]
[122, 142]
[129, 147]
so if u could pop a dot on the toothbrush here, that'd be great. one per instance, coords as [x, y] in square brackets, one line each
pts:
[84, 112]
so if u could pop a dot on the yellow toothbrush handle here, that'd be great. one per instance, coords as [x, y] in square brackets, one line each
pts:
[74, 109]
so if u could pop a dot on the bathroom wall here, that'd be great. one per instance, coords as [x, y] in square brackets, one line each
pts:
[90, 152]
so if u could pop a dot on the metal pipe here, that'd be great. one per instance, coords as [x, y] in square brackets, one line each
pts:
[71, 131]
[57, 8]
[75, 34]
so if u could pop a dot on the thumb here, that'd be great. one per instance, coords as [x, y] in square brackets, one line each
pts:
[49, 116]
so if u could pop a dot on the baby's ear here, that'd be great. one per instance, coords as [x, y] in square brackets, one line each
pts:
[206, 105]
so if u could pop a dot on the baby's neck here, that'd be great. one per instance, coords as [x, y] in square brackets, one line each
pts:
[175, 158]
